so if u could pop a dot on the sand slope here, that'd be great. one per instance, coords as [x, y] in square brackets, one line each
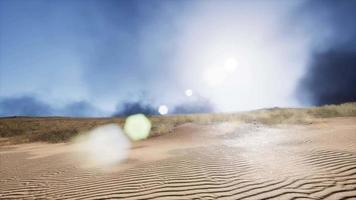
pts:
[316, 161]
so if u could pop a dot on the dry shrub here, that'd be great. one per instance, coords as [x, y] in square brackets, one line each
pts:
[342, 110]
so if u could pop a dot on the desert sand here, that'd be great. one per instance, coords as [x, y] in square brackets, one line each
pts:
[220, 161]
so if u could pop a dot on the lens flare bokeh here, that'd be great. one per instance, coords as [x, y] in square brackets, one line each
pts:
[188, 92]
[163, 109]
[137, 127]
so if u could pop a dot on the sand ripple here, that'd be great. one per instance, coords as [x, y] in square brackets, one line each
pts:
[310, 163]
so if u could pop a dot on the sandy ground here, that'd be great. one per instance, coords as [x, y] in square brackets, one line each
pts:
[222, 161]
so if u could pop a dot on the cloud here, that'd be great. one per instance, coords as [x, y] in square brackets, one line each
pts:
[200, 105]
[135, 107]
[24, 105]
[331, 78]
[266, 48]
[197, 105]
[331, 75]
[108, 51]
[31, 106]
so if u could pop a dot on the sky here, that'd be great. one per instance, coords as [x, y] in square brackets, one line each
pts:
[112, 57]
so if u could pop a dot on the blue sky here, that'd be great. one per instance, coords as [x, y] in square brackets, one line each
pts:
[95, 56]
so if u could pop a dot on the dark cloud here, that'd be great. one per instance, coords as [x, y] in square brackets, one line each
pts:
[24, 106]
[31, 106]
[331, 75]
[331, 78]
[130, 108]
[200, 105]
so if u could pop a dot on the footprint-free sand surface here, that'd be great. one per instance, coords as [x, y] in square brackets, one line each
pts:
[221, 161]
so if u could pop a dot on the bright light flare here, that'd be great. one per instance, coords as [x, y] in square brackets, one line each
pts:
[188, 92]
[163, 109]
[137, 127]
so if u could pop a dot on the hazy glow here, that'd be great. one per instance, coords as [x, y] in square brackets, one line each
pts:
[188, 92]
[242, 58]
[163, 109]
[105, 145]
[230, 64]
[215, 76]
[137, 127]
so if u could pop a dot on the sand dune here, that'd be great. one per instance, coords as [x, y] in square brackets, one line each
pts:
[223, 161]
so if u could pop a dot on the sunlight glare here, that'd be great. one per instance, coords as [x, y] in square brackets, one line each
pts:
[230, 64]
[163, 109]
[215, 76]
[188, 92]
